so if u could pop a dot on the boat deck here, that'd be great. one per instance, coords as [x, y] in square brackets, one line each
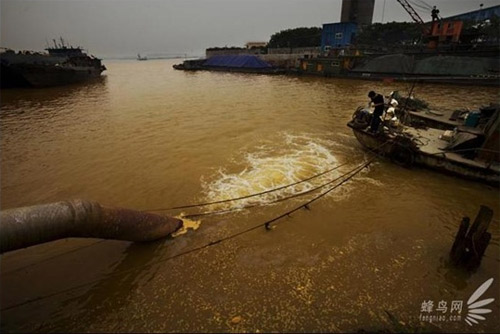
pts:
[429, 143]
[445, 117]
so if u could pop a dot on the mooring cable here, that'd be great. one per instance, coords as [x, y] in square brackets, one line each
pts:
[287, 197]
[363, 166]
[204, 214]
[212, 243]
[247, 196]
[198, 215]
[271, 202]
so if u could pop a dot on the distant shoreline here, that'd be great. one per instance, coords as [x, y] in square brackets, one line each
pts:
[152, 57]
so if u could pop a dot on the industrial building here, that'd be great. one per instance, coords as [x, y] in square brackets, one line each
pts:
[356, 13]
[442, 59]
[477, 15]
[337, 35]
[250, 45]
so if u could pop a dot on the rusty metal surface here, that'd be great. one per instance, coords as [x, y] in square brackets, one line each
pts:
[27, 226]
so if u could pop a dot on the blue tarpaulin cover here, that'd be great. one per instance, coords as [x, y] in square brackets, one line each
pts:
[240, 61]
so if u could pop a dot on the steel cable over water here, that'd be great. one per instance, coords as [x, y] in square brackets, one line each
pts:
[247, 196]
[266, 224]
[262, 193]
[214, 212]
[271, 202]
[196, 249]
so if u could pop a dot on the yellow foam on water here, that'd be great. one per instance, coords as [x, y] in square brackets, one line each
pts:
[187, 224]
[273, 165]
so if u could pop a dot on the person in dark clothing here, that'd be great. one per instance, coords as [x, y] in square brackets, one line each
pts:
[435, 14]
[378, 102]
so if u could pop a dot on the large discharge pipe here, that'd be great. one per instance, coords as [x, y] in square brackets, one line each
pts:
[27, 226]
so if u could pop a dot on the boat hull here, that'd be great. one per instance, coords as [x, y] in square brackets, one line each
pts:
[408, 156]
[28, 75]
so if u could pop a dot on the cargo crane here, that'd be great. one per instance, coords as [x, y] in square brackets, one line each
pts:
[414, 15]
[439, 31]
[410, 10]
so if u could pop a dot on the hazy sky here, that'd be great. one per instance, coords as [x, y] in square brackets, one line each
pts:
[126, 27]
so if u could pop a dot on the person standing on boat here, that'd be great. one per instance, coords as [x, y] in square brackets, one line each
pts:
[378, 103]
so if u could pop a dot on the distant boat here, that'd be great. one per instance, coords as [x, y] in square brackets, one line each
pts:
[141, 58]
[62, 65]
[230, 63]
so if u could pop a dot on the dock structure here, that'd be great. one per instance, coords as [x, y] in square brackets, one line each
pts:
[471, 243]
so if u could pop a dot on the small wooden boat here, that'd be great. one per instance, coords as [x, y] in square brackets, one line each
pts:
[469, 152]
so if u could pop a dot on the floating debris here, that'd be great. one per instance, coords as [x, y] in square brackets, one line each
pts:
[187, 224]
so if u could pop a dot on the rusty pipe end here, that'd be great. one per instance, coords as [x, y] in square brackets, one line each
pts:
[28, 226]
[130, 225]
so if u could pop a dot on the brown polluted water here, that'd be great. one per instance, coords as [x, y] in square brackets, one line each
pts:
[367, 256]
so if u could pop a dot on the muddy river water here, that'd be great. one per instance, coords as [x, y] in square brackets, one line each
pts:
[369, 255]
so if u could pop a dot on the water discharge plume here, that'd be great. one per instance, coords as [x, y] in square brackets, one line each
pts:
[273, 166]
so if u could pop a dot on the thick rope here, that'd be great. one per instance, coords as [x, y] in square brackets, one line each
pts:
[271, 202]
[247, 196]
[212, 243]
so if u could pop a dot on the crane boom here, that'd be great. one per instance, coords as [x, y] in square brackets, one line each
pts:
[414, 15]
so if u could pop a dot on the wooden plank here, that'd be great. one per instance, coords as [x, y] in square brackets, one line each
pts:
[471, 243]
[458, 247]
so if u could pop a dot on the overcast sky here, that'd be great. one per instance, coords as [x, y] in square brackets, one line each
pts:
[110, 28]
